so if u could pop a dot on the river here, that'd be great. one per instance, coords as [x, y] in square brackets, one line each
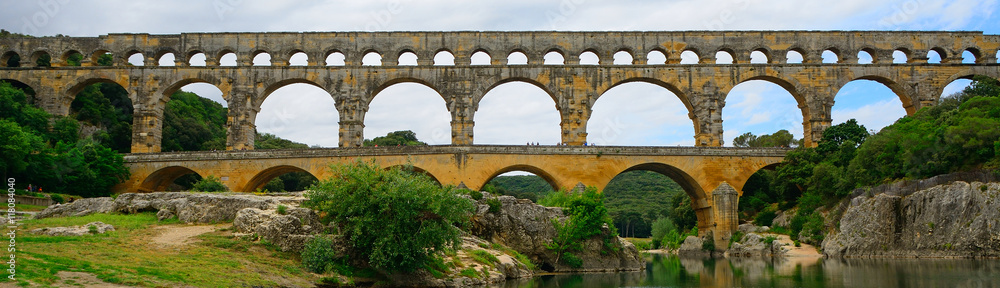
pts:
[671, 271]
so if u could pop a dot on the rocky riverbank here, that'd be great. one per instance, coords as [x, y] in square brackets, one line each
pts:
[959, 219]
[515, 227]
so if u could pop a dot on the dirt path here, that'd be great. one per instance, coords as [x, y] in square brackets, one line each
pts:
[180, 235]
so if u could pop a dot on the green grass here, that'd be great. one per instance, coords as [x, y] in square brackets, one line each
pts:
[513, 253]
[483, 256]
[128, 257]
[29, 208]
[469, 272]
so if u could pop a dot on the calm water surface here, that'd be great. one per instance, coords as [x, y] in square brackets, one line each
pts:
[671, 271]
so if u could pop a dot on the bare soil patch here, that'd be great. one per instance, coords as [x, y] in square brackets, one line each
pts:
[180, 235]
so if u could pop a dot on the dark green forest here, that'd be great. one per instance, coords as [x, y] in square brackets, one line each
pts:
[634, 199]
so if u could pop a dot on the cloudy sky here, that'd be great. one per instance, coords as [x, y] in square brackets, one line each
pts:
[517, 113]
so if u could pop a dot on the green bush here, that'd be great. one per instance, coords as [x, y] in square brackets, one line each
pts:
[494, 204]
[57, 198]
[765, 218]
[672, 240]
[393, 219]
[587, 215]
[476, 195]
[282, 209]
[210, 184]
[708, 245]
[571, 260]
[318, 255]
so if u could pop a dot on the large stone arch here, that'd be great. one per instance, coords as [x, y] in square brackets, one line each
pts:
[793, 87]
[893, 84]
[601, 91]
[261, 178]
[481, 91]
[269, 88]
[160, 179]
[548, 177]
[700, 199]
[375, 90]
[176, 85]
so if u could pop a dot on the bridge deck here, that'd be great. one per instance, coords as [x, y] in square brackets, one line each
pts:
[452, 149]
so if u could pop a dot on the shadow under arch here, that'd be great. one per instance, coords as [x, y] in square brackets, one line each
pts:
[91, 80]
[525, 168]
[892, 85]
[162, 178]
[28, 90]
[261, 178]
[415, 170]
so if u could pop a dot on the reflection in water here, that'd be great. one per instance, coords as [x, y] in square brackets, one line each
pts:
[671, 271]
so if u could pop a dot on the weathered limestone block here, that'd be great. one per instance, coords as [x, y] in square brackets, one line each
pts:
[86, 229]
[954, 220]
[80, 207]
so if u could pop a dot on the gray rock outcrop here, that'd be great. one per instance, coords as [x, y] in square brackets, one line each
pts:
[527, 228]
[692, 247]
[86, 229]
[754, 245]
[953, 220]
[186, 206]
[289, 231]
[80, 207]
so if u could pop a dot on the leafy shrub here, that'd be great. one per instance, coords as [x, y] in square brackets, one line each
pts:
[587, 216]
[57, 198]
[210, 184]
[495, 205]
[282, 209]
[318, 255]
[765, 218]
[571, 260]
[737, 237]
[375, 207]
[768, 240]
[672, 240]
[708, 245]
[476, 195]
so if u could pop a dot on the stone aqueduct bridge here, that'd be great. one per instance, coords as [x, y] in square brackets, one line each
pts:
[705, 173]
[574, 88]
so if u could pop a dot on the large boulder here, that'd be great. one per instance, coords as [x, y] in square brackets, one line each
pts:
[754, 245]
[290, 231]
[79, 207]
[527, 228]
[86, 229]
[693, 247]
[192, 207]
[953, 220]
